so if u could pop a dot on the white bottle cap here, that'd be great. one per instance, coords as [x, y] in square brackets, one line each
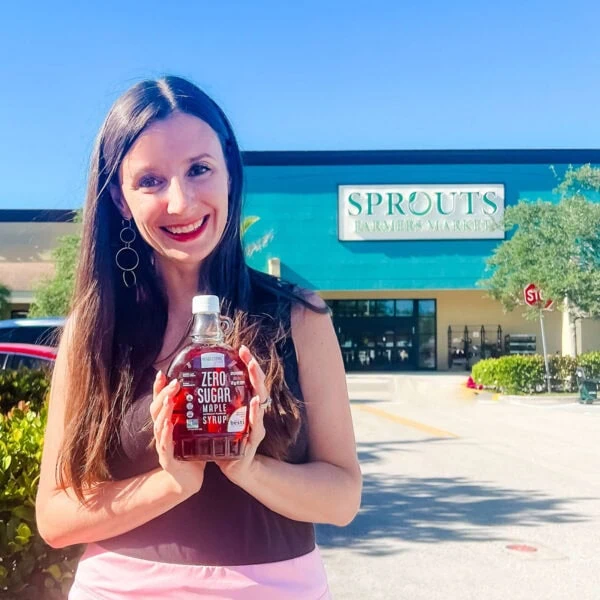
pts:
[205, 304]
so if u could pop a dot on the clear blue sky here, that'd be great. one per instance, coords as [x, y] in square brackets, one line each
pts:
[310, 75]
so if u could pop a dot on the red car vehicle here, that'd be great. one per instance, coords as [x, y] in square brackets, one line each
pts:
[29, 356]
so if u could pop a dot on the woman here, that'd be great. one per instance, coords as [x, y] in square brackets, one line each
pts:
[161, 224]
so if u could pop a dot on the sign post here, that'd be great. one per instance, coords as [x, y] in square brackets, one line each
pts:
[533, 297]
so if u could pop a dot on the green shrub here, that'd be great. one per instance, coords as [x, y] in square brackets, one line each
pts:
[520, 374]
[24, 385]
[510, 374]
[562, 373]
[591, 363]
[29, 568]
[485, 372]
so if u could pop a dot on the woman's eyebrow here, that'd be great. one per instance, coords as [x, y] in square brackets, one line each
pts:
[201, 156]
[134, 174]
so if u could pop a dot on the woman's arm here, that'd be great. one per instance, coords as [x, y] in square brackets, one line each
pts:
[328, 488]
[115, 506]
[316, 492]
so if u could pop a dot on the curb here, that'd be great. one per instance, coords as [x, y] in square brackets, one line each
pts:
[541, 399]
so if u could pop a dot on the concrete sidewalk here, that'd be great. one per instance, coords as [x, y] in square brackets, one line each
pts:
[394, 379]
[390, 386]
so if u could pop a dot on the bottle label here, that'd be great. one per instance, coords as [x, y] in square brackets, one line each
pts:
[214, 395]
[212, 360]
[237, 421]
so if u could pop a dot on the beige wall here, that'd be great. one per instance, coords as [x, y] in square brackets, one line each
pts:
[21, 278]
[472, 308]
[588, 335]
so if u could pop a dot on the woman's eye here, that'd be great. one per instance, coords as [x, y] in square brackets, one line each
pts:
[198, 169]
[148, 181]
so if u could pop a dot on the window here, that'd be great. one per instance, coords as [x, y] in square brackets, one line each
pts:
[20, 361]
[344, 308]
[46, 336]
[404, 308]
[384, 308]
[386, 334]
[364, 308]
[426, 308]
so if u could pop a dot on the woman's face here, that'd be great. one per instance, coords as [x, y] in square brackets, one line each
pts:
[174, 184]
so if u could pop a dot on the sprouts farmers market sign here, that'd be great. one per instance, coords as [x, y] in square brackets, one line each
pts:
[420, 212]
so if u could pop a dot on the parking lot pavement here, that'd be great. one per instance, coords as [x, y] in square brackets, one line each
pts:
[467, 497]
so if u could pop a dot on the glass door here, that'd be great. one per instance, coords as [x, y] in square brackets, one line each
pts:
[386, 335]
[368, 344]
[405, 355]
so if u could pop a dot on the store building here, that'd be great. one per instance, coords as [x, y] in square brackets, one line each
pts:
[395, 241]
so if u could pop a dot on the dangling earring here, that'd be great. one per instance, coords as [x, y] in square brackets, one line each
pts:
[127, 258]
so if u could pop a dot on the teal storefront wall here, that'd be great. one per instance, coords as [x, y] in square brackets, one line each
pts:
[299, 205]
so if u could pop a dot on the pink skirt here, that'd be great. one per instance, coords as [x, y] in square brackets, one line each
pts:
[104, 575]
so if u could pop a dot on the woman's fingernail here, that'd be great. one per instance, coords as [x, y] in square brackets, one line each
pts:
[173, 383]
[159, 375]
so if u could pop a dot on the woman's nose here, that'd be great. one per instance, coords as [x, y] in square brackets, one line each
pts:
[179, 198]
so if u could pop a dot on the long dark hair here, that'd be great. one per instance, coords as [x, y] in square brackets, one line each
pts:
[117, 331]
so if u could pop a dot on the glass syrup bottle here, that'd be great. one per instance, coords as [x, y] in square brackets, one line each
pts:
[210, 414]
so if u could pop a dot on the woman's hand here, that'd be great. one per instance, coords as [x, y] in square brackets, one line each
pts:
[187, 475]
[238, 471]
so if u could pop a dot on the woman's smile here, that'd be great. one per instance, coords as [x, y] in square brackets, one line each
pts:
[185, 233]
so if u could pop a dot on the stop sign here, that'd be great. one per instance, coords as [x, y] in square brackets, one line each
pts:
[533, 297]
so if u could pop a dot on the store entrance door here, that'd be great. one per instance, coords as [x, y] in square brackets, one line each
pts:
[383, 344]
[386, 334]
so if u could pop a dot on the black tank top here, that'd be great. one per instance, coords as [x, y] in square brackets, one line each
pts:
[220, 525]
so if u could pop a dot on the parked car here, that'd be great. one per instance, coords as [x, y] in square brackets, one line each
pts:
[28, 356]
[45, 332]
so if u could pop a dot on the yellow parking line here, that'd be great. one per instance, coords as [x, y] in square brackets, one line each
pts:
[408, 422]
